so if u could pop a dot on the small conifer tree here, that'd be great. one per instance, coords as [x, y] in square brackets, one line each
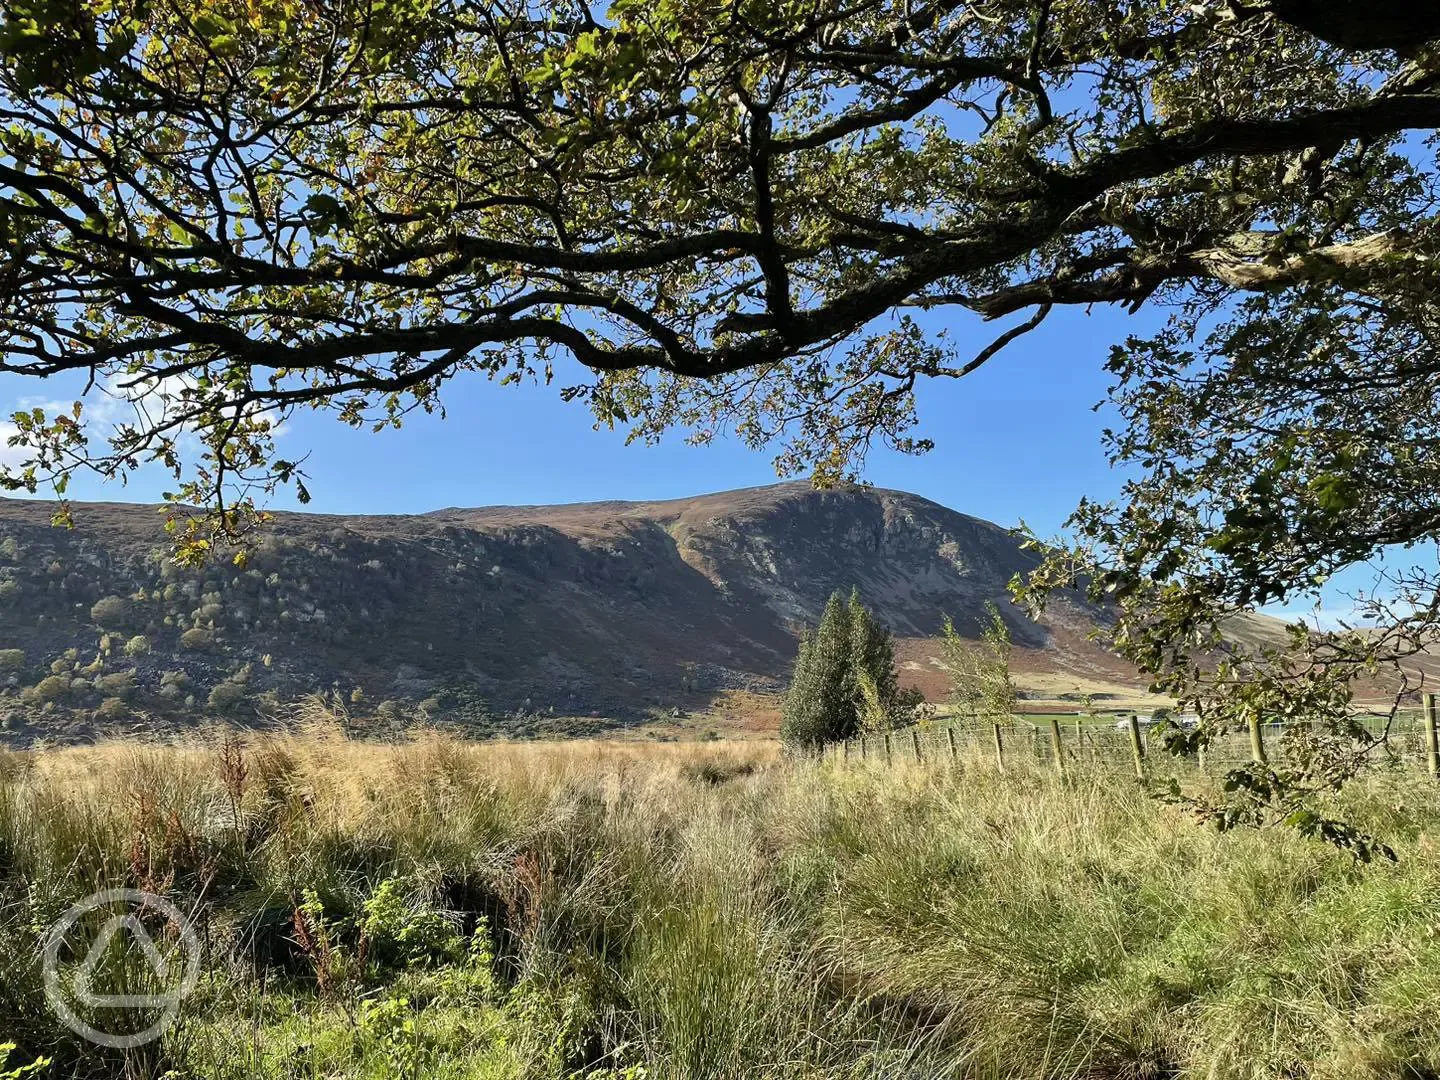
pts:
[872, 654]
[819, 706]
[845, 679]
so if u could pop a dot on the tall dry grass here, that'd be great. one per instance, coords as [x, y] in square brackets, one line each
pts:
[710, 910]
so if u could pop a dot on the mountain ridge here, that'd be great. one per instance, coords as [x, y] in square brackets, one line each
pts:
[614, 610]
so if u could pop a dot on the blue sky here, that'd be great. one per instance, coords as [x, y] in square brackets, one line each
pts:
[1018, 438]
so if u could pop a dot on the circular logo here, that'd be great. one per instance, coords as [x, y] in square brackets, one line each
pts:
[168, 978]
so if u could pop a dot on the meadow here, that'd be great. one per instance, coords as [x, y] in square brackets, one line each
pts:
[612, 910]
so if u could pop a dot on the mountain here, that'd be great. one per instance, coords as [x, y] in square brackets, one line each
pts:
[501, 616]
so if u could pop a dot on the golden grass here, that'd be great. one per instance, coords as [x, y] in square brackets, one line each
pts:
[711, 909]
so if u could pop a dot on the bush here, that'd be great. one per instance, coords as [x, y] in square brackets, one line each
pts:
[12, 659]
[112, 611]
[112, 708]
[120, 684]
[225, 696]
[51, 688]
[139, 645]
[197, 638]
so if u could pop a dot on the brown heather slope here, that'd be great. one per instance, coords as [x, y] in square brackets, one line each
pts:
[503, 616]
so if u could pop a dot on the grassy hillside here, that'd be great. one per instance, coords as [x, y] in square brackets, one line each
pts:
[606, 910]
[509, 620]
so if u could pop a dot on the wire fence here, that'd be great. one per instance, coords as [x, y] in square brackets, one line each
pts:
[1124, 741]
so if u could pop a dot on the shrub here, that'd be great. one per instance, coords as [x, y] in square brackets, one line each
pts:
[225, 696]
[139, 645]
[197, 638]
[112, 611]
[12, 659]
[405, 930]
[981, 685]
[119, 684]
[112, 708]
[51, 688]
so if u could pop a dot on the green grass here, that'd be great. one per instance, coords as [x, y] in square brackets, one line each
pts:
[704, 910]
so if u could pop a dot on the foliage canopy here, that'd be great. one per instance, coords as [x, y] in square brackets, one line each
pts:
[224, 212]
[721, 216]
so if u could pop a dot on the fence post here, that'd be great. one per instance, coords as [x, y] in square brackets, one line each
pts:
[915, 742]
[1137, 747]
[1200, 757]
[863, 754]
[1257, 741]
[845, 750]
[1056, 744]
[999, 749]
[950, 738]
[889, 757]
[1432, 738]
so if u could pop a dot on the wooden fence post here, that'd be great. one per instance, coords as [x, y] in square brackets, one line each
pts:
[1137, 746]
[889, 757]
[863, 755]
[1432, 738]
[1056, 744]
[1200, 757]
[954, 750]
[1257, 741]
[915, 742]
[999, 750]
[845, 750]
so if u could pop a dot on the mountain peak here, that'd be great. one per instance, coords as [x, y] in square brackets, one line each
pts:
[609, 607]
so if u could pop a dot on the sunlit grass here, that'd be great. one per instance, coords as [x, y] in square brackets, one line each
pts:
[711, 910]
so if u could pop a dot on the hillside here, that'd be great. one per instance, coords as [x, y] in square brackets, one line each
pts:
[501, 616]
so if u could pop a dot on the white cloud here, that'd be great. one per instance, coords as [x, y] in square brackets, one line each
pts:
[10, 456]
